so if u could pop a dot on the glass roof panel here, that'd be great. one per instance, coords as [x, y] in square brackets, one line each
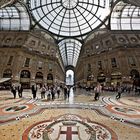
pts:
[125, 17]
[70, 49]
[14, 17]
[70, 18]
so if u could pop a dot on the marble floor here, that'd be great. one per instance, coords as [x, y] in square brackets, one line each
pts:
[76, 118]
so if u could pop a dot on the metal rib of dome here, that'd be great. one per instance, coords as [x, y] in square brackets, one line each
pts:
[14, 17]
[70, 49]
[69, 18]
[125, 17]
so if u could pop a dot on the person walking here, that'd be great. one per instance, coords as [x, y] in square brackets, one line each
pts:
[43, 90]
[68, 91]
[65, 92]
[13, 90]
[34, 90]
[20, 90]
[120, 90]
[98, 90]
[52, 92]
[58, 91]
[48, 92]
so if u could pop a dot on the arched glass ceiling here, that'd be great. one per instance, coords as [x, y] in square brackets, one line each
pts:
[14, 17]
[69, 18]
[125, 17]
[70, 49]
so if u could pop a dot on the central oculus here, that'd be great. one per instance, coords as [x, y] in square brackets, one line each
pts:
[69, 18]
[69, 4]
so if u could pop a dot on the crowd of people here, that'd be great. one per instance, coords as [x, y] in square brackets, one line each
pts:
[18, 89]
[51, 92]
[46, 92]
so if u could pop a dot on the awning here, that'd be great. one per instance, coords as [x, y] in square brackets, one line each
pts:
[2, 80]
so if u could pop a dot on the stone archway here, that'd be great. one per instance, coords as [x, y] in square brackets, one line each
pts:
[7, 73]
[116, 78]
[135, 77]
[25, 78]
[134, 73]
[39, 78]
[7, 76]
[101, 77]
[50, 79]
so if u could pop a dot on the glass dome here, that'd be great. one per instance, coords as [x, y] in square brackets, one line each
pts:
[69, 18]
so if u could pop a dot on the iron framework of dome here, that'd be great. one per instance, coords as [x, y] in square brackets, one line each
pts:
[69, 19]
[14, 17]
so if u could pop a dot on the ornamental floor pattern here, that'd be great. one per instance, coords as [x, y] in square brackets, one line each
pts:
[79, 118]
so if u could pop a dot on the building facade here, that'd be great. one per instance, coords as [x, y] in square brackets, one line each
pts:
[109, 57]
[30, 57]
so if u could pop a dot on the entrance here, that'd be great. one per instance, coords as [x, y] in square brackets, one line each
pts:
[69, 77]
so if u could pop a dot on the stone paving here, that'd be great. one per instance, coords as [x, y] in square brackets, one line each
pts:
[18, 116]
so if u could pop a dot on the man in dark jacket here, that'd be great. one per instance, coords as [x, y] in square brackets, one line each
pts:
[20, 90]
[13, 90]
[34, 90]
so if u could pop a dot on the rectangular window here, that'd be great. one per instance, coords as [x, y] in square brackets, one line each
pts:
[10, 60]
[89, 67]
[40, 65]
[131, 61]
[113, 63]
[50, 66]
[100, 65]
[27, 62]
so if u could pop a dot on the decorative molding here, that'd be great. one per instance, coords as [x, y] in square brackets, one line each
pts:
[4, 3]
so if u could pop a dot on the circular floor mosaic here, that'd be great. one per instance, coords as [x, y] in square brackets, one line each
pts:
[16, 108]
[69, 127]
[122, 110]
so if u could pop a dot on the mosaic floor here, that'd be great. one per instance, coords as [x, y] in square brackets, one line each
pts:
[77, 118]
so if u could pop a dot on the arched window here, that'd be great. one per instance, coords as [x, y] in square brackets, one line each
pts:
[136, 77]
[49, 76]
[101, 77]
[39, 75]
[25, 74]
[134, 73]
[116, 78]
[7, 73]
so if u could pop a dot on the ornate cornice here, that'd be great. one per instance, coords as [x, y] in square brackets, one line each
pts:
[4, 3]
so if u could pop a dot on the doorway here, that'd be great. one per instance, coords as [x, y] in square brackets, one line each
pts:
[69, 77]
